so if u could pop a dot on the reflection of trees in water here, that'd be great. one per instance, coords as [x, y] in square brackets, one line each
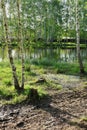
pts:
[3, 53]
[68, 55]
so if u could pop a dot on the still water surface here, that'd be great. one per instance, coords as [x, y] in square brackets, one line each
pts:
[68, 55]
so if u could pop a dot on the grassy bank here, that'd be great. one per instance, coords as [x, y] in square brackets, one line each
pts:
[59, 67]
[8, 95]
[33, 69]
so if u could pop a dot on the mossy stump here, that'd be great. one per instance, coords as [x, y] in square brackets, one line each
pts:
[33, 95]
[41, 80]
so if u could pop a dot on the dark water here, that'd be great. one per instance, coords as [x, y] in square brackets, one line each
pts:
[68, 55]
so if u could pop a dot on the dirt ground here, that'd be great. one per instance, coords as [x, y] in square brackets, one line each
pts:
[61, 110]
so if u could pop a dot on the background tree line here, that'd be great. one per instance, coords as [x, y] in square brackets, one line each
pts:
[46, 21]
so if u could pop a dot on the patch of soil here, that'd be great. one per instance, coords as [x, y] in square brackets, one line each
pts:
[59, 111]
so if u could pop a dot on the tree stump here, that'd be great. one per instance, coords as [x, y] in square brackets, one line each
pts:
[41, 80]
[33, 95]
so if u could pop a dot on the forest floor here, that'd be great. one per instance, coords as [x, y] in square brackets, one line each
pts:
[64, 109]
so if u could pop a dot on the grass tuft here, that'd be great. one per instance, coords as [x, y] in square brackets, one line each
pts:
[84, 119]
[7, 82]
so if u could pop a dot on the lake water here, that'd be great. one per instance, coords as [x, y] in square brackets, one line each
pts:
[68, 55]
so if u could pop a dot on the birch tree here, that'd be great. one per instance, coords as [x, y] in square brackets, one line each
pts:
[78, 37]
[8, 42]
[17, 86]
[20, 37]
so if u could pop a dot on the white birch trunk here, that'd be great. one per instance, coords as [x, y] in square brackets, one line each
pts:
[20, 37]
[8, 41]
[78, 38]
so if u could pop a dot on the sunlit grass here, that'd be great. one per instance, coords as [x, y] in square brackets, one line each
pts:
[67, 68]
[7, 82]
[84, 118]
[41, 91]
[59, 67]
[33, 70]
[9, 95]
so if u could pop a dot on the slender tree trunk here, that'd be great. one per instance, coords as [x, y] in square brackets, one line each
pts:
[20, 37]
[78, 38]
[8, 41]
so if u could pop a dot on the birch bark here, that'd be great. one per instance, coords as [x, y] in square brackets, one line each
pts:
[8, 42]
[78, 38]
[20, 37]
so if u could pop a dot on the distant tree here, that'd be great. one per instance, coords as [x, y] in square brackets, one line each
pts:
[78, 37]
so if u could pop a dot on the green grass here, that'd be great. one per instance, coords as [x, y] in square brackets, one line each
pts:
[7, 82]
[52, 85]
[84, 118]
[67, 68]
[43, 62]
[58, 67]
[33, 69]
[9, 95]
[7, 92]
[41, 91]
[84, 85]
